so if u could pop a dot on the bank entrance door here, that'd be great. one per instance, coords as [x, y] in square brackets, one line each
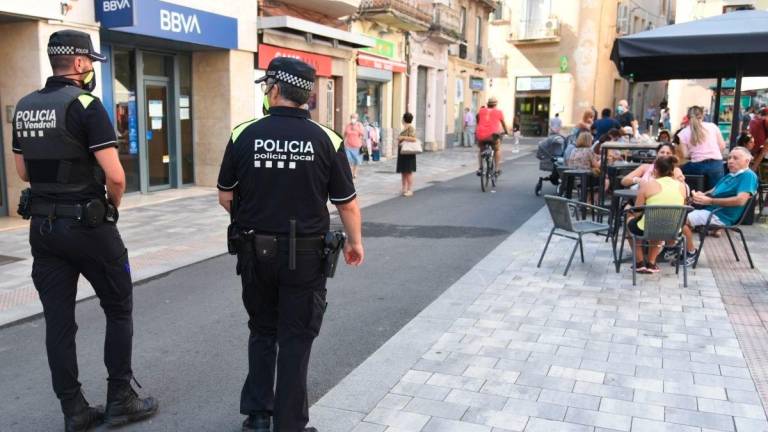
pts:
[534, 115]
[158, 139]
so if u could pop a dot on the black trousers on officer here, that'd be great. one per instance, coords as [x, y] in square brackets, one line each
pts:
[62, 251]
[285, 310]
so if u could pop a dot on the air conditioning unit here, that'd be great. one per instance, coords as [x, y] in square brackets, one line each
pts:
[552, 27]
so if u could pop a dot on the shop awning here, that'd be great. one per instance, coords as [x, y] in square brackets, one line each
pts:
[298, 25]
[381, 63]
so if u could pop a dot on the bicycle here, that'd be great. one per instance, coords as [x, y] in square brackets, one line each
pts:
[489, 172]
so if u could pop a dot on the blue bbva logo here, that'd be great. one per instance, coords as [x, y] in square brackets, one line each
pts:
[115, 5]
[177, 22]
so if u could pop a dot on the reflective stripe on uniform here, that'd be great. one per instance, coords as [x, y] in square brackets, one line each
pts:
[242, 126]
[86, 99]
[335, 138]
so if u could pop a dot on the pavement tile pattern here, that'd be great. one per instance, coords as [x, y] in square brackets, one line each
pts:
[510, 347]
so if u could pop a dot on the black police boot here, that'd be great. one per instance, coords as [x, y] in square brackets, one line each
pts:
[256, 423]
[79, 416]
[124, 405]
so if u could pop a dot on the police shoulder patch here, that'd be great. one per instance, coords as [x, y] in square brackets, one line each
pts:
[335, 138]
[242, 126]
[86, 99]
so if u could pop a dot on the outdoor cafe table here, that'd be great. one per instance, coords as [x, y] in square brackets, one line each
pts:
[604, 160]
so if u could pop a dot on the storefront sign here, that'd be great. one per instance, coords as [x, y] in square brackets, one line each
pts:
[323, 65]
[380, 63]
[476, 84]
[168, 21]
[533, 83]
[383, 48]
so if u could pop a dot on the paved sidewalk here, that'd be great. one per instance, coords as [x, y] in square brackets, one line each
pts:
[164, 234]
[510, 347]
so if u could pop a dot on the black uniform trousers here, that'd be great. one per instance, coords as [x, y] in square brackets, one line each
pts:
[62, 251]
[285, 309]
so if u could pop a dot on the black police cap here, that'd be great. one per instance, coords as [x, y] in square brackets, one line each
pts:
[290, 71]
[73, 42]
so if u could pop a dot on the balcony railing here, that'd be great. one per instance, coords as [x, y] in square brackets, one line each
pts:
[537, 30]
[405, 14]
[446, 22]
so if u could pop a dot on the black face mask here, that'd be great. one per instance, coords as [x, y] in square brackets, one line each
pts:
[89, 81]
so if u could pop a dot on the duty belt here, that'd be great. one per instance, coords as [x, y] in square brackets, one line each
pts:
[47, 209]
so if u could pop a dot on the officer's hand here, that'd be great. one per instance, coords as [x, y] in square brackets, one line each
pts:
[354, 254]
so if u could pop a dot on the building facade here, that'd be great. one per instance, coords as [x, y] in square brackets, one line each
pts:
[179, 77]
[685, 93]
[469, 59]
[555, 58]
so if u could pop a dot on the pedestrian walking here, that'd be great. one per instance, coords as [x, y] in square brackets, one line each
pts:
[354, 134]
[277, 196]
[406, 164]
[65, 147]
[555, 124]
[625, 117]
[702, 143]
[470, 123]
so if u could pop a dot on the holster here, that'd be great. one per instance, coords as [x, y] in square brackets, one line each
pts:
[25, 204]
[333, 245]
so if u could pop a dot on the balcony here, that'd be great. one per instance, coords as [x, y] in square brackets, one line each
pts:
[331, 8]
[409, 15]
[446, 24]
[536, 31]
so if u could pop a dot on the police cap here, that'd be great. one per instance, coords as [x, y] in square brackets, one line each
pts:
[290, 71]
[73, 42]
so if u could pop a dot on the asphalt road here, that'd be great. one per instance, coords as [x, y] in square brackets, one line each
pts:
[190, 326]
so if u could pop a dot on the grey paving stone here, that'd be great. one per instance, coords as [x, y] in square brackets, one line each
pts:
[545, 382]
[435, 408]
[732, 408]
[598, 419]
[368, 427]
[707, 368]
[608, 367]
[742, 396]
[457, 382]
[750, 425]
[491, 374]
[394, 401]
[538, 409]
[645, 425]
[421, 390]
[671, 375]
[576, 374]
[542, 425]
[603, 390]
[635, 360]
[418, 377]
[666, 399]
[632, 409]
[478, 400]
[402, 420]
[700, 419]
[709, 392]
[736, 372]
[499, 420]
[523, 366]
[446, 367]
[636, 383]
[727, 382]
[510, 390]
[577, 400]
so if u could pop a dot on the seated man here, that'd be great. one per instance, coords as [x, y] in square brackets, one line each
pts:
[731, 193]
[490, 124]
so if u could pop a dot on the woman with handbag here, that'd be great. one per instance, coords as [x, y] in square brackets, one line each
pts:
[407, 148]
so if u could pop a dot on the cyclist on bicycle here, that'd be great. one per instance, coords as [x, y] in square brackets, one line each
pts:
[490, 125]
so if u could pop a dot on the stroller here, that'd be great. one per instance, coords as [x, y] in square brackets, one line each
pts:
[550, 155]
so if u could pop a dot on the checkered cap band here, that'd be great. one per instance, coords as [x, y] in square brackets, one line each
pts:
[294, 80]
[61, 50]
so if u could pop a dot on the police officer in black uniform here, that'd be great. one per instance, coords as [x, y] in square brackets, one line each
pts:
[65, 148]
[283, 169]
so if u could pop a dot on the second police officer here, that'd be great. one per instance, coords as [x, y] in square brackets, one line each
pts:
[282, 170]
[65, 146]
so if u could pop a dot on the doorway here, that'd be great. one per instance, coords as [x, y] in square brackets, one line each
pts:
[157, 135]
[533, 112]
[3, 185]
[421, 103]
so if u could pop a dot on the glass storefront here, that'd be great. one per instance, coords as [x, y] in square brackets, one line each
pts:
[152, 101]
[369, 101]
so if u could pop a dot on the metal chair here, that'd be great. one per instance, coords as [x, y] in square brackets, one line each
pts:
[565, 216]
[749, 207]
[662, 223]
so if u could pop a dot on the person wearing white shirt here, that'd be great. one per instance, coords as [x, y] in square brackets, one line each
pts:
[470, 122]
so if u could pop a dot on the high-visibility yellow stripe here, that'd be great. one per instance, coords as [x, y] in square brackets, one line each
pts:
[335, 138]
[86, 99]
[241, 127]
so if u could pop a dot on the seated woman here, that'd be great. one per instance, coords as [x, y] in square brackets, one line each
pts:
[645, 172]
[582, 157]
[664, 190]
[663, 136]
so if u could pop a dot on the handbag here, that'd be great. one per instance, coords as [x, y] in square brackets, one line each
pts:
[411, 147]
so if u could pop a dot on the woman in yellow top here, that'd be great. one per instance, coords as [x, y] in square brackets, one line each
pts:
[663, 190]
